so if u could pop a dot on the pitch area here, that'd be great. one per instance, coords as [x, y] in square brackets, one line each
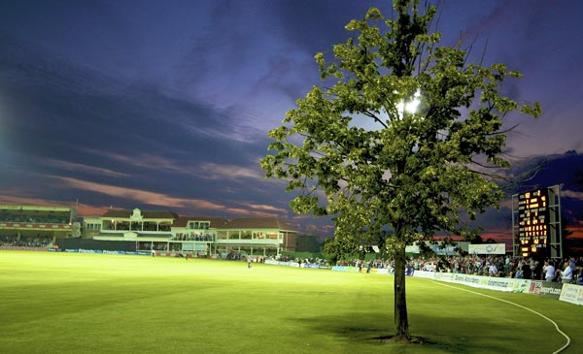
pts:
[72, 303]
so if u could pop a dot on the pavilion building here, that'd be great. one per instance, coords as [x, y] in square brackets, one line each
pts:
[166, 231]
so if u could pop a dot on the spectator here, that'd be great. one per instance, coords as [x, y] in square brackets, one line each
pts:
[567, 273]
[549, 271]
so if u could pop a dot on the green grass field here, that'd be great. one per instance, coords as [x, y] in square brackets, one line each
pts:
[80, 303]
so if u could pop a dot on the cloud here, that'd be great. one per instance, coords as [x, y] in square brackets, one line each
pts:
[78, 167]
[141, 196]
[165, 200]
[572, 194]
[142, 160]
[206, 170]
[82, 209]
[218, 171]
[266, 208]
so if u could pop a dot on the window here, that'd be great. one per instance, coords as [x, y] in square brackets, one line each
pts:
[164, 226]
[272, 235]
[136, 226]
[246, 235]
[108, 225]
[150, 226]
[199, 225]
[123, 225]
[259, 235]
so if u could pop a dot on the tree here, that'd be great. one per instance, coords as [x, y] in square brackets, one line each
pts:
[413, 172]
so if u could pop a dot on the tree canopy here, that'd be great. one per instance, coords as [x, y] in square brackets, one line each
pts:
[400, 135]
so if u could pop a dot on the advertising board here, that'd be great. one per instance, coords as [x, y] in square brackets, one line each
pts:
[545, 288]
[487, 248]
[572, 293]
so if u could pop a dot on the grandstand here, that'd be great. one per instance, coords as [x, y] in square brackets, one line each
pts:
[35, 226]
[255, 236]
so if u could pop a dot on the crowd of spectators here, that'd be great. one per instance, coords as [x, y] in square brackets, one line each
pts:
[13, 241]
[189, 237]
[37, 219]
[566, 271]
[302, 260]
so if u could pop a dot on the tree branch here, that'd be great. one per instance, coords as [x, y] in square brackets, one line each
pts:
[505, 178]
[504, 131]
[373, 116]
[482, 165]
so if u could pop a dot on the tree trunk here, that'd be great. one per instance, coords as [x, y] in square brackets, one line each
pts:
[400, 310]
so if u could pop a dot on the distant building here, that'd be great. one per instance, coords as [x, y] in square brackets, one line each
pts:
[146, 230]
[262, 236]
[167, 231]
[36, 226]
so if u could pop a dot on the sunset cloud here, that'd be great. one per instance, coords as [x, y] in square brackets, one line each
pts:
[138, 195]
[167, 201]
[82, 209]
[218, 171]
[267, 208]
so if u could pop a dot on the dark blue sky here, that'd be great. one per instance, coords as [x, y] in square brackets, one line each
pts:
[166, 103]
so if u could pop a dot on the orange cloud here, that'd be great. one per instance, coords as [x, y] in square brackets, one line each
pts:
[164, 200]
[146, 197]
[217, 171]
[267, 208]
[82, 209]
[11, 199]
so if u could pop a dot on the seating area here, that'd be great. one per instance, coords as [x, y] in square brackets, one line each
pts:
[36, 218]
[12, 241]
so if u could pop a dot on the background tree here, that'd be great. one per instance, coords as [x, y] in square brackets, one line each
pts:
[381, 164]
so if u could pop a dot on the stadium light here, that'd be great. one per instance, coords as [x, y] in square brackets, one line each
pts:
[410, 106]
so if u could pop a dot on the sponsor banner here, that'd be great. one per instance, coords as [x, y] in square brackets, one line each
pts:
[537, 287]
[132, 253]
[491, 283]
[292, 264]
[444, 276]
[345, 269]
[424, 274]
[545, 288]
[311, 265]
[487, 248]
[572, 293]
[519, 285]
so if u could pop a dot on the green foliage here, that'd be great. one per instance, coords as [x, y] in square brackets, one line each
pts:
[413, 173]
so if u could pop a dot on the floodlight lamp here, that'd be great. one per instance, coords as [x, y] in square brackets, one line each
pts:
[409, 106]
